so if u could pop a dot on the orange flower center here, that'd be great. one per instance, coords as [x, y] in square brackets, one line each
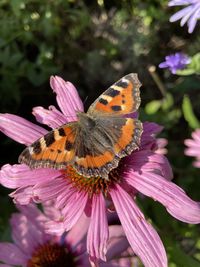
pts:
[52, 255]
[92, 185]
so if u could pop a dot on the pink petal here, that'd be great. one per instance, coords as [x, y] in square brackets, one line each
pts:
[54, 219]
[49, 190]
[54, 227]
[77, 233]
[11, 254]
[74, 208]
[117, 242]
[196, 135]
[23, 196]
[143, 239]
[19, 129]
[67, 97]
[51, 117]
[34, 215]
[196, 164]
[20, 175]
[146, 160]
[170, 195]
[97, 237]
[51, 211]
[121, 262]
[5, 265]
[25, 234]
[150, 128]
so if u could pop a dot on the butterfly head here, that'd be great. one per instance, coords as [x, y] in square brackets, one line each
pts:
[86, 121]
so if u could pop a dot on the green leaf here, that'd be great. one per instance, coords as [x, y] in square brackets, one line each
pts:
[178, 256]
[153, 106]
[189, 114]
[192, 68]
[185, 72]
[167, 102]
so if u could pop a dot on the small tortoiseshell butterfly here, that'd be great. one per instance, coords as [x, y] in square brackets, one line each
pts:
[95, 143]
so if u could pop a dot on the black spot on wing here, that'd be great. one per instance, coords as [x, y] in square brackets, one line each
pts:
[103, 101]
[49, 138]
[112, 92]
[68, 145]
[37, 147]
[122, 84]
[116, 108]
[61, 132]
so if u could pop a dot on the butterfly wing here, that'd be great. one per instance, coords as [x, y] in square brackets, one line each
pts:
[53, 150]
[123, 97]
[96, 151]
[112, 139]
[92, 153]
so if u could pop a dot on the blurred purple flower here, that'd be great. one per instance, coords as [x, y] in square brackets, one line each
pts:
[33, 246]
[189, 14]
[175, 62]
[193, 147]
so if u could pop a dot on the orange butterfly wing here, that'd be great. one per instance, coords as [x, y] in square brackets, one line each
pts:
[93, 150]
[123, 97]
[114, 139]
[53, 150]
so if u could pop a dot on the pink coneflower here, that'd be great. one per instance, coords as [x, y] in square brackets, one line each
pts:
[193, 147]
[33, 247]
[144, 170]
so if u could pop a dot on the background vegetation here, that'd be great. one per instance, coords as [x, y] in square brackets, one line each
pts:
[93, 44]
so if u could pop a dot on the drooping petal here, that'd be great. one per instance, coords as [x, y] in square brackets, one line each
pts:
[11, 254]
[150, 129]
[23, 195]
[117, 242]
[74, 208]
[149, 161]
[97, 237]
[51, 117]
[20, 175]
[19, 129]
[143, 239]
[67, 97]
[77, 233]
[177, 203]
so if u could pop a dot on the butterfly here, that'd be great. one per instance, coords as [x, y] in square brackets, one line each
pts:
[95, 143]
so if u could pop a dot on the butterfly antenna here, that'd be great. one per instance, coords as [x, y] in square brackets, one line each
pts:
[85, 100]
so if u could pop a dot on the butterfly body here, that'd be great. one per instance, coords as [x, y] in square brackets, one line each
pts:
[96, 142]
